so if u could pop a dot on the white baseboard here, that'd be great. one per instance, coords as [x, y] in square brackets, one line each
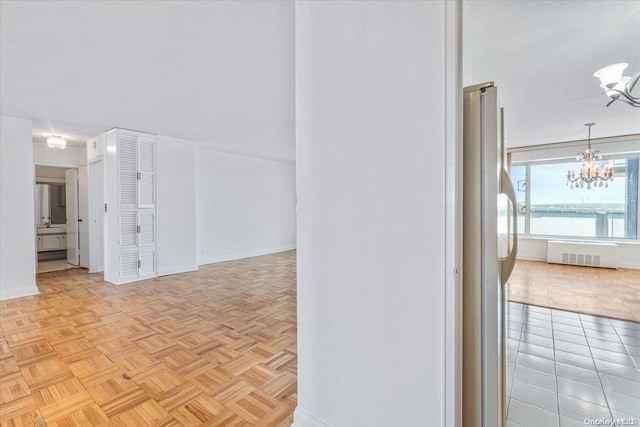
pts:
[528, 257]
[632, 265]
[301, 418]
[177, 270]
[241, 255]
[25, 291]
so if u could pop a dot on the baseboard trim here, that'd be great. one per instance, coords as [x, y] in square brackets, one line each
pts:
[181, 269]
[242, 255]
[526, 257]
[633, 266]
[25, 291]
[302, 418]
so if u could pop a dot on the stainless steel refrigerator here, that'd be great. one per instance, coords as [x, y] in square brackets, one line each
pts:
[489, 252]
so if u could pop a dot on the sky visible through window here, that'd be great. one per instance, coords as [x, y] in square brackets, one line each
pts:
[549, 186]
[558, 210]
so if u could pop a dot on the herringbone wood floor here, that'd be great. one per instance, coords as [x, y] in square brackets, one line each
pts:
[214, 347]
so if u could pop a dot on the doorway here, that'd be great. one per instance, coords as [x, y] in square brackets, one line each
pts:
[60, 195]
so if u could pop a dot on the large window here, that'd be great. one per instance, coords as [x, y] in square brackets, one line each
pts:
[549, 207]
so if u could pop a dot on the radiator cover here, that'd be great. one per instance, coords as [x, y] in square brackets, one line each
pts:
[583, 253]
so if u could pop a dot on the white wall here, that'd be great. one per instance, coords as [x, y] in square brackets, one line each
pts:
[245, 205]
[50, 172]
[371, 147]
[176, 206]
[17, 233]
[69, 157]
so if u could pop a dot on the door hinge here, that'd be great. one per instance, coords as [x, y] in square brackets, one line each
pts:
[138, 176]
[139, 264]
[138, 229]
[105, 207]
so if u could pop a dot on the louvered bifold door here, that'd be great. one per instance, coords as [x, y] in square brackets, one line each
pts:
[128, 229]
[146, 228]
[129, 264]
[128, 171]
[147, 172]
[147, 264]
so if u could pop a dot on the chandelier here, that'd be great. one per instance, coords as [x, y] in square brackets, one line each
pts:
[590, 172]
[616, 86]
[57, 142]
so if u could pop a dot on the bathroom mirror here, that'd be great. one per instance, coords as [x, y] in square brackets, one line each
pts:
[50, 204]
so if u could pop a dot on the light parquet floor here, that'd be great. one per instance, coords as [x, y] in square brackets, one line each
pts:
[214, 347]
[596, 291]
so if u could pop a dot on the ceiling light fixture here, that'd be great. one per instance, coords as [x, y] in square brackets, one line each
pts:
[57, 142]
[590, 172]
[616, 86]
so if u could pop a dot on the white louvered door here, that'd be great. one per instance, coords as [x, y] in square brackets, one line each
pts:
[129, 264]
[128, 171]
[146, 173]
[128, 229]
[137, 205]
[147, 264]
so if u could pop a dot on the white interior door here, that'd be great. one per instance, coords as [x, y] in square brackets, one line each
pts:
[71, 186]
[83, 216]
[96, 207]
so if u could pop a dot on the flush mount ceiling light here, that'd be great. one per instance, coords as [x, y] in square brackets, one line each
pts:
[57, 142]
[590, 172]
[616, 86]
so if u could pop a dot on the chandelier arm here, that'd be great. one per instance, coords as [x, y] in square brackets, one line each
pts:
[626, 94]
[633, 105]
[637, 105]
[630, 102]
[631, 83]
[634, 102]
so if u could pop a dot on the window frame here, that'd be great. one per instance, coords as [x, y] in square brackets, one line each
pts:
[527, 217]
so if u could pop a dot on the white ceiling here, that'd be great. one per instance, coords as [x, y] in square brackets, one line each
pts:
[223, 72]
[218, 72]
[542, 55]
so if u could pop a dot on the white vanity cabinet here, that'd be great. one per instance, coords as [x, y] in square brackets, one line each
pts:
[52, 242]
[130, 209]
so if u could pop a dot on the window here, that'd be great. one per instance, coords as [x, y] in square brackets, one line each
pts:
[549, 207]
[519, 178]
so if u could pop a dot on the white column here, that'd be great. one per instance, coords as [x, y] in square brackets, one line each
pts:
[377, 87]
[17, 225]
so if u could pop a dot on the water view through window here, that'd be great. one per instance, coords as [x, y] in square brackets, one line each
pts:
[554, 209]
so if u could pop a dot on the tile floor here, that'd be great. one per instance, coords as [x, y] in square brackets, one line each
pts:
[564, 368]
[53, 265]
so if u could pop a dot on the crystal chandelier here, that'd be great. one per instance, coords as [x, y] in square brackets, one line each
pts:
[590, 172]
[616, 86]
[56, 141]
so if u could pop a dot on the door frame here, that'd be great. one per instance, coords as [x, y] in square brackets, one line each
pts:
[83, 215]
[453, 215]
[75, 241]
[61, 165]
[96, 234]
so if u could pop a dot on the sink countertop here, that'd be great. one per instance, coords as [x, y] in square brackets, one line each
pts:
[51, 230]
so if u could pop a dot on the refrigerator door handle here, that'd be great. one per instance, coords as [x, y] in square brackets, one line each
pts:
[508, 263]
